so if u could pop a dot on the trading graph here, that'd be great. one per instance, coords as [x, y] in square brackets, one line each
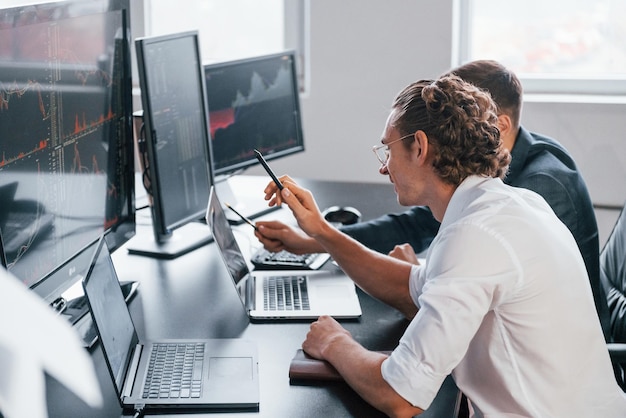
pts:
[28, 105]
[251, 106]
[59, 107]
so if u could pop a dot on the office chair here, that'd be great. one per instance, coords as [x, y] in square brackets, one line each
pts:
[613, 278]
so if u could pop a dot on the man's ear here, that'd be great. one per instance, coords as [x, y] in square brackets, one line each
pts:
[421, 146]
[504, 124]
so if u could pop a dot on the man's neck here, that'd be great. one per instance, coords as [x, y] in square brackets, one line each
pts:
[508, 139]
[440, 204]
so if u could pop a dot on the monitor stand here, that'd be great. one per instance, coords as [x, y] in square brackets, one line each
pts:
[183, 240]
[245, 195]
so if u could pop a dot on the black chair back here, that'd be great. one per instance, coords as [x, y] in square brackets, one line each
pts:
[613, 278]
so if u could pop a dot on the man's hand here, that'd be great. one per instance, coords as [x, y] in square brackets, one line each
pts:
[404, 252]
[321, 334]
[277, 236]
[301, 203]
[361, 369]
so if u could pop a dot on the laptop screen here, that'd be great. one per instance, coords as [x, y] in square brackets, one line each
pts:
[110, 314]
[225, 239]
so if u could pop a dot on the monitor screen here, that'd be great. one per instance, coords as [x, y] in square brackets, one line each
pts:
[253, 104]
[66, 147]
[176, 131]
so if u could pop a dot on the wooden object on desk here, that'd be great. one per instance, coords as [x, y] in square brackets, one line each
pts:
[303, 367]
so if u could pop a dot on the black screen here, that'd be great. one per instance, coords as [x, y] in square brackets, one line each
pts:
[253, 104]
[176, 129]
[111, 316]
[66, 150]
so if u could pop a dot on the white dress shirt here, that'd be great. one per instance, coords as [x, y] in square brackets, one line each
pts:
[505, 305]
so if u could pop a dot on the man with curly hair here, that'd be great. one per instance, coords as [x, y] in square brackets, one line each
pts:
[503, 302]
[538, 163]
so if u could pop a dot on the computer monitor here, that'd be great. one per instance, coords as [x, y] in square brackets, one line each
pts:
[254, 103]
[66, 145]
[176, 143]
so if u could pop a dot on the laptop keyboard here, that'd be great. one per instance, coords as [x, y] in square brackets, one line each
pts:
[174, 371]
[285, 293]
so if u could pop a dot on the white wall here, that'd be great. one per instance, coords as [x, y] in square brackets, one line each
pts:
[595, 135]
[362, 52]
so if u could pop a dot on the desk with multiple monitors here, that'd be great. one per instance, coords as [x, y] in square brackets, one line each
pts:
[67, 141]
[66, 137]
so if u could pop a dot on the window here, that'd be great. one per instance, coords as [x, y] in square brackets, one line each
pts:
[229, 29]
[559, 46]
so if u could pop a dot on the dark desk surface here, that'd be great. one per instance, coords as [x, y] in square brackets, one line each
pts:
[192, 296]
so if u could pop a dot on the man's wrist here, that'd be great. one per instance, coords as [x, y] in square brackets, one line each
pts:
[326, 234]
[337, 343]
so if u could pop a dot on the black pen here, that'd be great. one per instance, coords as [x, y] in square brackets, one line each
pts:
[246, 220]
[267, 168]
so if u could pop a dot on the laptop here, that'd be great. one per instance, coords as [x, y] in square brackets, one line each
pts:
[208, 373]
[283, 294]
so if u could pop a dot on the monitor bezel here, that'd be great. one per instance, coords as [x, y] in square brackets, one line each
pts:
[118, 234]
[163, 231]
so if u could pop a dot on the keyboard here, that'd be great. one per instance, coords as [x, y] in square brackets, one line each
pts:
[174, 371]
[284, 260]
[285, 293]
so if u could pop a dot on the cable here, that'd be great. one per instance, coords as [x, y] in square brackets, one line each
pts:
[143, 152]
[138, 411]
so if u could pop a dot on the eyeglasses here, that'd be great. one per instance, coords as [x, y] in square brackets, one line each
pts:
[382, 151]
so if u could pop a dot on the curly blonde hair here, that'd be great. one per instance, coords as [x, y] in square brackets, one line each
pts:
[459, 120]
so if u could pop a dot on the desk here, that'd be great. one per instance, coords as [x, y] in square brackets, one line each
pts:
[192, 296]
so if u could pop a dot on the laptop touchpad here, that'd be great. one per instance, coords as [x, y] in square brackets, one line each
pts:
[334, 290]
[230, 368]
